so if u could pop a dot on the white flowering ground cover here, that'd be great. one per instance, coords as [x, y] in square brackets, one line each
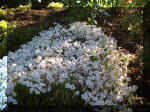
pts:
[3, 82]
[79, 55]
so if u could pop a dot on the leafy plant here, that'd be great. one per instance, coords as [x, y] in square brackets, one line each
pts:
[5, 27]
[132, 98]
[139, 53]
[55, 4]
[17, 37]
[59, 96]
[20, 36]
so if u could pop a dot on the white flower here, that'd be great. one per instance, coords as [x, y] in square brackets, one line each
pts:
[76, 44]
[84, 96]
[89, 84]
[37, 92]
[3, 82]
[72, 87]
[31, 90]
[64, 75]
[76, 93]
[39, 1]
[39, 58]
[81, 54]
[61, 81]
[67, 85]
[119, 98]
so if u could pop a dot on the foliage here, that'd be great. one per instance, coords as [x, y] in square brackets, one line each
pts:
[132, 21]
[59, 96]
[78, 14]
[2, 13]
[8, 13]
[22, 36]
[100, 3]
[139, 53]
[16, 38]
[96, 8]
[55, 4]
[132, 99]
[5, 27]
[39, 4]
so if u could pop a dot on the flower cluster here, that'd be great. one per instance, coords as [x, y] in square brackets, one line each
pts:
[3, 82]
[79, 55]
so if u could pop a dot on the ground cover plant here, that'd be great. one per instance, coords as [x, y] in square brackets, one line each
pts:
[124, 24]
[81, 59]
[3, 83]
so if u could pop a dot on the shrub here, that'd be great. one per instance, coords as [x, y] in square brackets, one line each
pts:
[5, 27]
[80, 61]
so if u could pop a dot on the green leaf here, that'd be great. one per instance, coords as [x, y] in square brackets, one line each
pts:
[109, 2]
[89, 19]
[137, 20]
[132, 4]
[133, 14]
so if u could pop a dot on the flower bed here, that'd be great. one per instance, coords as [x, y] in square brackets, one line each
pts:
[81, 58]
[3, 82]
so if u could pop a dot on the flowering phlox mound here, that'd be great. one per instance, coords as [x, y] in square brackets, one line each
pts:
[80, 54]
[3, 82]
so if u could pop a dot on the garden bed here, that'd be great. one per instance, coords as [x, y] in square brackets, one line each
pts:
[47, 17]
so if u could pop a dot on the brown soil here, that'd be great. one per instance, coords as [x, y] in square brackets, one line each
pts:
[45, 19]
[40, 18]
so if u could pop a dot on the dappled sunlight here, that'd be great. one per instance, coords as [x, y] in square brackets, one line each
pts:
[80, 55]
